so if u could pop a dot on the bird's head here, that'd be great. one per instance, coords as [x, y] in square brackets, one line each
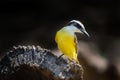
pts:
[78, 27]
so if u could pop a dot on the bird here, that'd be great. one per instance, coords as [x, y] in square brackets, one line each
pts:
[66, 39]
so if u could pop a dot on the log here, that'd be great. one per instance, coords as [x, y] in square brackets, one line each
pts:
[36, 63]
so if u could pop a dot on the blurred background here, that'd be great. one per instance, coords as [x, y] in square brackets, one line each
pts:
[27, 22]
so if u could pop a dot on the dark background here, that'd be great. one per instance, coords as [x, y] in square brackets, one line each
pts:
[20, 18]
[27, 22]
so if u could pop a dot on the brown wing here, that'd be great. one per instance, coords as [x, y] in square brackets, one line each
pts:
[76, 46]
[75, 40]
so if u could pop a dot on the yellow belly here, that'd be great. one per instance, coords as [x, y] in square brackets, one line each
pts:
[66, 44]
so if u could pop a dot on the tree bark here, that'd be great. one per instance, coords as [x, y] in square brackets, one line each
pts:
[36, 63]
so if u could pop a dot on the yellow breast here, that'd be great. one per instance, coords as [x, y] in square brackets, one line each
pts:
[66, 43]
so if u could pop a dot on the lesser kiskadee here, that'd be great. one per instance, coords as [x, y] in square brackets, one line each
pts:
[66, 38]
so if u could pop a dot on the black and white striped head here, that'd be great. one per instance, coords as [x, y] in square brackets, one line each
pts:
[79, 26]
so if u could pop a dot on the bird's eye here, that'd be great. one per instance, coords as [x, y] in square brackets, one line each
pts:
[76, 25]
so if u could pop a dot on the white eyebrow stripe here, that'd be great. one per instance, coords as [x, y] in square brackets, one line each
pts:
[78, 23]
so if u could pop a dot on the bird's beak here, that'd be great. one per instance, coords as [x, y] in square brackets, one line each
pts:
[85, 33]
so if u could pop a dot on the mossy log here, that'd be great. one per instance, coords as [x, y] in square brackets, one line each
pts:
[36, 63]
